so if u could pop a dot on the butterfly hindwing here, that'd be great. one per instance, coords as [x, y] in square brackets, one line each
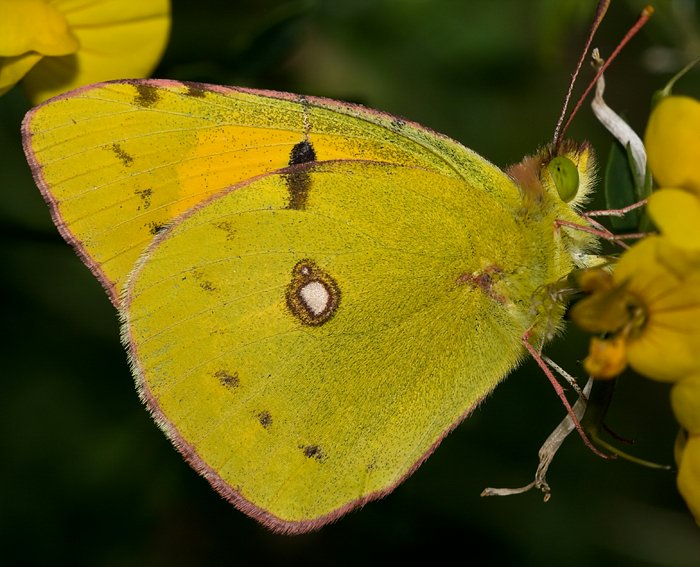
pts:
[307, 360]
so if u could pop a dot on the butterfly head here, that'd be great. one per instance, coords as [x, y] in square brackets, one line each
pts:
[570, 172]
[564, 174]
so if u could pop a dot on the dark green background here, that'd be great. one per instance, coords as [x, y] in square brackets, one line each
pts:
[86, 476]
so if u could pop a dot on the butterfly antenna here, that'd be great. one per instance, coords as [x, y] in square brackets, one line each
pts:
[599, 15]
[641, 21]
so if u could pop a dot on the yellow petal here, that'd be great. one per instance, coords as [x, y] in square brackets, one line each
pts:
[603, 311]
[118, 38]
[12, 69]
[662, 353]
[677, 214]
[689, 475]
[34, 25]
[642, 272]
[679, 445]
[638, 269]
[672, 141]
[685, 401]
[606, 358]
[665, 347]
[107, 13]
[668, 346]
[684, 263]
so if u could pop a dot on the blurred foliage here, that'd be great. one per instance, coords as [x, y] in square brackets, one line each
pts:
[88, 478]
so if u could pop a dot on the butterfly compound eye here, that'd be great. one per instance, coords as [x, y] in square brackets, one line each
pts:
[565, 175]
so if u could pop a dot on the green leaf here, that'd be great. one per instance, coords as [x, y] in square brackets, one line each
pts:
[620, 190]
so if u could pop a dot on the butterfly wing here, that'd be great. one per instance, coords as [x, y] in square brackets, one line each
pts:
[119, 161]
[307, 336]
[306, 360]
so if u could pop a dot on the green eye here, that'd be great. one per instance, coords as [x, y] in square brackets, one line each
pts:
[565, 175]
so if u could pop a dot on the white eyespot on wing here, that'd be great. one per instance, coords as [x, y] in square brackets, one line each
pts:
[316, 297]
[313, 295]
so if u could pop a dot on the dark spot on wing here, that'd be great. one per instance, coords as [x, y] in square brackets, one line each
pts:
[299, 182]
[303, 152]
[228, 228]
[306, 272]
[204, 283]
[228, 379]
[146, 95]
[265, 419]
[313, 452]
[156, 227]
[486, 281]
[145, 195]
[397, 124]
[195, 91]
[123, 156]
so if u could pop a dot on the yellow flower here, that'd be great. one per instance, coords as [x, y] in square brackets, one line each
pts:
[56, 45]
[649, 307]
[677, 214]
[606, 358]
[672, 140]
[689, 475]
[653, 304]
[685, 400]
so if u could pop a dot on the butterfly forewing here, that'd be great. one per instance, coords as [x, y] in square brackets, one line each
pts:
[119, 161]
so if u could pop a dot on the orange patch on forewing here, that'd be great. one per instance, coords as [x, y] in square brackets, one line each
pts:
[227, 155]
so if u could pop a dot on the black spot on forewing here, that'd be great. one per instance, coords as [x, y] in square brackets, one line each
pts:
[145, 195]
[123, 156]
[303, 152]
[146, 95]
[299, 182]
[228, 379]
[195, 91]
[156, 227]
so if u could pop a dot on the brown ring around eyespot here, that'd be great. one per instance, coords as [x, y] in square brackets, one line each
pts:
[313, 295]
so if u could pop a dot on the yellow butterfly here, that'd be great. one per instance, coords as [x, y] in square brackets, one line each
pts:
[313, 294]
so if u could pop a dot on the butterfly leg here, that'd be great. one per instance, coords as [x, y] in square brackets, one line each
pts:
[560, 392]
